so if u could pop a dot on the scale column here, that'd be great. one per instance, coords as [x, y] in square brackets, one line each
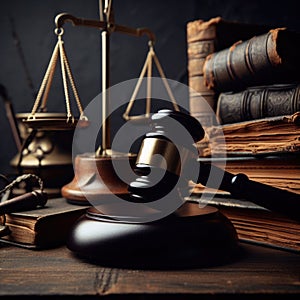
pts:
[105, 93]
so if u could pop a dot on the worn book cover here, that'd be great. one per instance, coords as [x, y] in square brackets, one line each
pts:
[274, 135]
[272, 57]
[258, 102]
[203, 38]
[43, 227]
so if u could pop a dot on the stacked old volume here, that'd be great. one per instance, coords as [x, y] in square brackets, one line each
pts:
[203, 39]
[252, 84]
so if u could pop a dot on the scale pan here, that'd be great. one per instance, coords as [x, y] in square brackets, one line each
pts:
[52, 121]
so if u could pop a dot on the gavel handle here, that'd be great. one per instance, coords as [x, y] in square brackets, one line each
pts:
[240, 186]
[26, 201]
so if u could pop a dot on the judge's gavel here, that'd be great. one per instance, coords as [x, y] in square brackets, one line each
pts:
[239, 185]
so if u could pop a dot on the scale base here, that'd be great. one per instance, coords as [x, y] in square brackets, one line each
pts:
[95, 176]
[190, 237]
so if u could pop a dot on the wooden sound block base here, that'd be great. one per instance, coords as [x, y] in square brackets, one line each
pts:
[190, 237]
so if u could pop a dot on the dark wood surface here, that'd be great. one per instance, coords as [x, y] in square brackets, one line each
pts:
[259, 272]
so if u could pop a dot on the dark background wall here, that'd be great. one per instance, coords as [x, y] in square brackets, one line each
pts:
[33, 21]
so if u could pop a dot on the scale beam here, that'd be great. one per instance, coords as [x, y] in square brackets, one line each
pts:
[63, 18]
[107, 26]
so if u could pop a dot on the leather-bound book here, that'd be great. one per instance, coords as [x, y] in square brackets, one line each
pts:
[41, 228]
[204, 38]
[264, 59]
[258, 102]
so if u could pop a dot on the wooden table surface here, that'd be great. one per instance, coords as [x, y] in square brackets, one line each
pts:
[259, 272]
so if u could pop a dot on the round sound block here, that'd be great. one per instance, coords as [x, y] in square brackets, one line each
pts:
[190, 237]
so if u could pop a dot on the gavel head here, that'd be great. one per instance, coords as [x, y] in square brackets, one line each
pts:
[167, 155]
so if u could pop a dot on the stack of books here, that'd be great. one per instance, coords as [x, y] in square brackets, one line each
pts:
[253, 83]
[203, 39]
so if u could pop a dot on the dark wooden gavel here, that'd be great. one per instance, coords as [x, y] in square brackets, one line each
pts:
[239, 185]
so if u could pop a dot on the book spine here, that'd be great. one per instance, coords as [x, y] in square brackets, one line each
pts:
[200, 43]
[261, 60]
[203, 39]
[258, 102]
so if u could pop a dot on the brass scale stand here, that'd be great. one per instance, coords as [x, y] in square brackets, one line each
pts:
[84, 164]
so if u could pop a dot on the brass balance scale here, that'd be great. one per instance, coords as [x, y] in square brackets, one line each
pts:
[44, 139]
[39, 120]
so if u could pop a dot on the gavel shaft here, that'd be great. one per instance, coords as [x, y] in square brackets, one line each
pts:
[240, 186]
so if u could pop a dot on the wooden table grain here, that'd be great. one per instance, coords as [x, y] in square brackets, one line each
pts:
[259, 272]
